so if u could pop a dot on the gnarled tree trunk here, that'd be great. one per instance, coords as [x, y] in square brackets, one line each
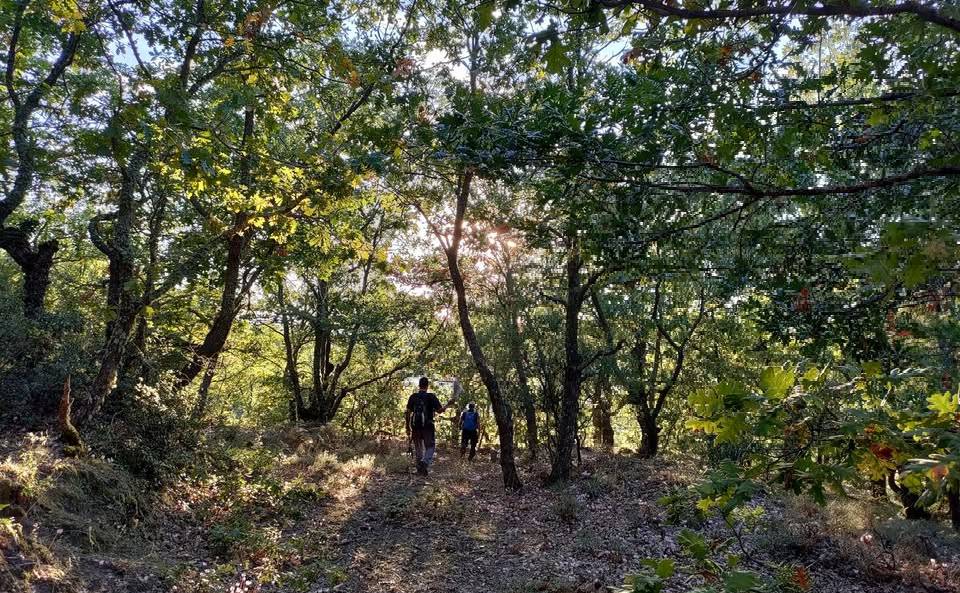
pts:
[122, 273]
[520, 366]
[501, 409]
[34, 261]
[234, 287]
[602, 417]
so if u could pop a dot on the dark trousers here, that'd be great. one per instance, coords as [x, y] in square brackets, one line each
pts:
[470, 437]
[424, 443]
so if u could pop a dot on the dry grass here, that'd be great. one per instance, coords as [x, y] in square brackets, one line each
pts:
[68, 504]
[869, 538]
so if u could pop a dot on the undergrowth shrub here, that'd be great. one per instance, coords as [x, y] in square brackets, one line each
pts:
[151, 434]
[394, 464]
[681, 508]
[242, 538]
[95, 502]
[35, 359]
[566, 508]
[597, 486]
[868, 537]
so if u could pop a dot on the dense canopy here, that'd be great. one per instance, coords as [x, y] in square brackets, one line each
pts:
[722, 229]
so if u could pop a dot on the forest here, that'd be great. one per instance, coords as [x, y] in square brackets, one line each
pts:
[694, 264]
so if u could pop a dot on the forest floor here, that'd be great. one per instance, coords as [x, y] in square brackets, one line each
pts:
[299, 512]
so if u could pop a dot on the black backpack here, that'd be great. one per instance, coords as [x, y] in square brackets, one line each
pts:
[420, 412]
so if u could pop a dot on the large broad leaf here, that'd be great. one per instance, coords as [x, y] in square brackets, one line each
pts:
[776, 382]
[485, 14]
[740, 582]
[705, 403]
[664, 568]
[693, 544]
[556, 56]
[944, 404]
[730, 428]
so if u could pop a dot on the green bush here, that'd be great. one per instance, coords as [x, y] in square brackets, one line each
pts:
[35, 359]
[681, 507]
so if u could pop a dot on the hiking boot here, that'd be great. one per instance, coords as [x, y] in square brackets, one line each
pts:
[421, 468]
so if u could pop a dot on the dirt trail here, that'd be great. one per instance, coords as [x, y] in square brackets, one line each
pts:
[317, 518]
[457, 530]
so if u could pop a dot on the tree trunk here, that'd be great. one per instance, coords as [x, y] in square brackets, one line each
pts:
[649, 433]
[34, 262]
[292, 373]
[203, 393]
[572, 371]
[530, 422]
[122, 273]
[216, 337]
[953, 501]
[501, 410]
[237, 241]
[603, 435]
[517, 354]
[36, 279]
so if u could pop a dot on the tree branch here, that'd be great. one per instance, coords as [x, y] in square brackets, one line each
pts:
[848, 9]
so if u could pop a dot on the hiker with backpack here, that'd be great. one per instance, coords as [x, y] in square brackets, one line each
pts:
[421, 407]
[469, 430]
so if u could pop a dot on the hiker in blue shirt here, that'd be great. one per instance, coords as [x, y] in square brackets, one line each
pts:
[469, 430]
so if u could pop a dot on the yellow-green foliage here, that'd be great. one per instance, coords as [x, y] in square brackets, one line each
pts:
[93, 501]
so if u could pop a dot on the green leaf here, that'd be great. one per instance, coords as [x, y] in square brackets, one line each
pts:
[485, 14]
[665, 568]
[705, 403]
[693, 544]
[776, 382]
[731, 427]
[740, 582]
[944, 404]
[872, 368]
[556, 56]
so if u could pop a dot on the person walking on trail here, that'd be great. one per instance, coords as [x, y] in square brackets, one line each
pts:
[469, 430]
[421, 407]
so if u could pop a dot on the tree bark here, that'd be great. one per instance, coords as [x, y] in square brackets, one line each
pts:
[292, 373]
[573, 369]
[34, 262]
[501, 409]
[645, 394]
[219, 331]
[603, 434]
[953, 501]
[519, 361]
[602, 415]
[649, 433]
[203, 394]
[237, 239]
[122, 273]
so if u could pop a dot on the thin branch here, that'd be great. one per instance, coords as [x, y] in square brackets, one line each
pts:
[924, 12]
